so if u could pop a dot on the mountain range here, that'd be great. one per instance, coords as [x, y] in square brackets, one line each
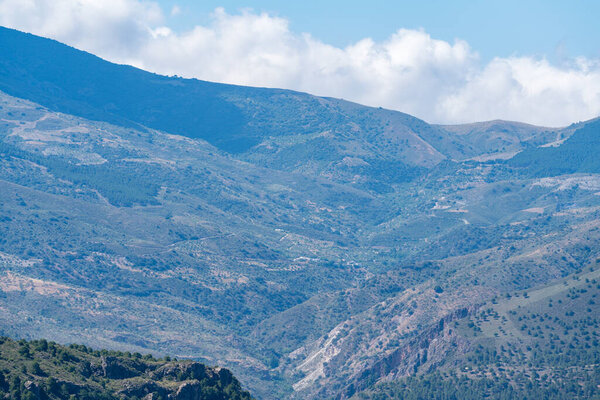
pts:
[316, 247]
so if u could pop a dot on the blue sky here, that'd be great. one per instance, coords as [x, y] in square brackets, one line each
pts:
[449, 61]
[553, 28]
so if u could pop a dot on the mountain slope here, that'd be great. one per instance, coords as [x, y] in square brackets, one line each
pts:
[137, 227]
[503, 139]
[47, 370]
[277, 128]
[541, 343]
[325, 252]
[74, 82]
[578, 153]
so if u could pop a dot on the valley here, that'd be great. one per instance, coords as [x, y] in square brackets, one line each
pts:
[315, 247]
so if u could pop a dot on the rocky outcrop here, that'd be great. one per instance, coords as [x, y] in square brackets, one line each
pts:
[32, 387]
[183, 371]
[407, 359]
[114, 368]
[193, 389]
[189, 391]
[146, 390]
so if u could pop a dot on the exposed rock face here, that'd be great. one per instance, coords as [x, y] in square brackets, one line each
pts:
[33, 388]
[194, 370]
[146, 390]
[189, 391]
[424, 351]
[183, 371]
[112, 368]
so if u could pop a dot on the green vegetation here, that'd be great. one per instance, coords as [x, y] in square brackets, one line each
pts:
[45, 370]
[537, 344]
[579, 153]
[149, 230]
[461, 387]
[311, 245]
[118, 184]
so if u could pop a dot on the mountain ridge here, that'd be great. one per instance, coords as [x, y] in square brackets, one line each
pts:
[126, 95]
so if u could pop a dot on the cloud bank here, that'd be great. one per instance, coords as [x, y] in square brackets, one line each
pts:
[410, 71]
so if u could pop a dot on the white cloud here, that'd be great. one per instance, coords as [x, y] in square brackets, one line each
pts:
[113, 28]
[410, 71]
[528, 89]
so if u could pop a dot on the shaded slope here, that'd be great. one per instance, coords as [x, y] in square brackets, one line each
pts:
[579, 153]
[74, 82]
[233, 118]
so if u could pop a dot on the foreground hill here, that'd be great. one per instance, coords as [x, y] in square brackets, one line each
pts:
[327, 253]
[45, 370]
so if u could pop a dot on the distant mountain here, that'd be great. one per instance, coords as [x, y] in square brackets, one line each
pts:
[47, 370]
[78, 83]
[279, 129]
[315, 247]
[233, 118]
[578, 153]
[503, 139]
